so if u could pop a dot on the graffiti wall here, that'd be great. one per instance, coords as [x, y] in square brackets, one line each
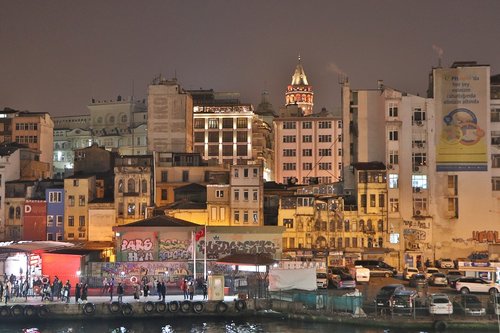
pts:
[484, 236]
[138, 246]
[416, 235]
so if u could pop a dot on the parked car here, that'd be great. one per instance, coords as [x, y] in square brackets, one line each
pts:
[408, 272]
[418, 280]
[469, 305]
[445, 263]
[403, 301]
[438, 279]
[321, 280]
[439, 304]
[453, 276]
[385, 293]
[431, 270]
[344, 281]
[467, 285]
[378, 266]
[494, 304]
[360, 274]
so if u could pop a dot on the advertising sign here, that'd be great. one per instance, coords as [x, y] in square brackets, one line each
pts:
[462, 103]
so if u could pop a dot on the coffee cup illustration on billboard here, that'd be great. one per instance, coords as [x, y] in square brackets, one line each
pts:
[461, 127]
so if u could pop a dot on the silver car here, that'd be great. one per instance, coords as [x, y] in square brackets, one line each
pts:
[440, 304]
[438, 279]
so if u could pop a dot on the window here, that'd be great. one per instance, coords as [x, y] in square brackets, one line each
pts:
[236, 173]
[289, 125]
[325, 138]
[242, 150]
[75, 182]
[120, 186]
[255, 217]
[59, 220]
[131, 185]
[393, 135]
[245, 195]
[227, 150]
[227, 122]
[81, 221]
[18, 213]
[131, 209]
[325, 166]
[241, 136]
[288, 223]
[307, 125]
[381, 200]
[245, 216]
[81, 200]
[307, 166]
[393, 110]
[71, 221]
[164, 176]
[289, 166]
[120, 208]
[495, 183]
[71, 200]
[71, 235]
[219, 193]
[363, 200]
[419, 206]
[373, 202]
[50, 237]
[227, 136]
[164, 194]
[325, 152]
[242, 123]
[185, 175]
[236, 195]
[418, 116]
[289, 152]
[289, 138]
[245, 173]
[255, 172]
[213, 136]
[199, 123]
[255, 195]
[144, 186]
[50, 220]
[394, 157]
[495, 138]
[325, 124]
[55, 196]
[419, 181]
[307, 138]
[393, 180]
[213, 123]
[419, 159]
[307, 152]
[236, 216]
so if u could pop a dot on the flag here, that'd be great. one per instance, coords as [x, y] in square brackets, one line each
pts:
[200, 234]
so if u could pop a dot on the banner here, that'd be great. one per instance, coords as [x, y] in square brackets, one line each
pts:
[462, 103]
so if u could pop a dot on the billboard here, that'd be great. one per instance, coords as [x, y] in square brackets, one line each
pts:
[462, 106]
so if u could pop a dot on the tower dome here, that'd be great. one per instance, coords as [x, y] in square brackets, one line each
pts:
[300, 92]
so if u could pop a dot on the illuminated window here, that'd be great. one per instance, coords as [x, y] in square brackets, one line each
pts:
[199, 123]
[307, 152]
[307, 125]
[289, 125]
[242, 123]
[213, 123]
[307, 138]
[131, 209]
[393, 180]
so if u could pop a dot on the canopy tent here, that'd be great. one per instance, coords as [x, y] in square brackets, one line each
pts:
[33, 246]
[259, 259]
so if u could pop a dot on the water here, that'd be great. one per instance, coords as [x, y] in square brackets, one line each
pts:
[194, 325]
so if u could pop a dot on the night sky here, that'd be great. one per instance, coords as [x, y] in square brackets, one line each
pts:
[57, 55]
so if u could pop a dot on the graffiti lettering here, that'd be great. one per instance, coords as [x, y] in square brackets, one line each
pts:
[486, 236]
[136, 244]
[140, 256]
[218, 249]
[417, 224]
[415, 234]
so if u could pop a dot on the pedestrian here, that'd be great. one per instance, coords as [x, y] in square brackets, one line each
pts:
[6, 291]
[1, 291]
[137, 291]
[78, 292]
[163, 290]
[145, 289]
[105, 286]
[191, 290]
[184, 288]
[204, 288]
[66, 292]
[119, 291]
[111, 286]
[85, 290]
[158, 289]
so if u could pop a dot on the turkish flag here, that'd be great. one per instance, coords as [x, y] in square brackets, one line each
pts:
[200, 234]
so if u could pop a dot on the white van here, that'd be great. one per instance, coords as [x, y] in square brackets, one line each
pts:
[360, 273]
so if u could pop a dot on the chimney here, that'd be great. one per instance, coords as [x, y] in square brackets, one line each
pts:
[380, 84]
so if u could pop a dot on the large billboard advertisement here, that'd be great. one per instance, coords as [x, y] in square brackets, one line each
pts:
[462, 102]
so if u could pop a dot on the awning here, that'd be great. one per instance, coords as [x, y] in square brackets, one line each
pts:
[33, 246]
[260, 259]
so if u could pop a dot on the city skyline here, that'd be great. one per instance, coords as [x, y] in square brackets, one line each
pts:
[59, 55]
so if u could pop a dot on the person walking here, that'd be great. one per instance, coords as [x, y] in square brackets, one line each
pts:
[78, 292]
[145, 289]
[85, 291]
[105, 286]
[137, 291]
[158, 289]
[191, 289]
[204, 289]
[6, 291]
[111, 286]
[120, 291]
[66, 292]
[184, 288]
[163, 290]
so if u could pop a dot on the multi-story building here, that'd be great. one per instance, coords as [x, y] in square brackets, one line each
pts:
[437, 157]
[247, 193]
[79, 191]
[133, 193]
[54, 196]
[222, 126]
[33, 129]
[170, 117]
[119, 126]
[308, 149]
